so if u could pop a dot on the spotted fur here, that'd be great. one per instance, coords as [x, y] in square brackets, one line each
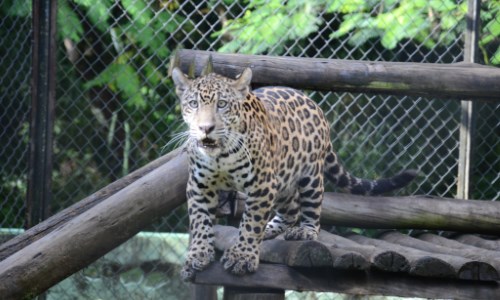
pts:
[274, 145]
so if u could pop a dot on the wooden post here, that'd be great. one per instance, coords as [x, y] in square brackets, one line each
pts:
[468, 116]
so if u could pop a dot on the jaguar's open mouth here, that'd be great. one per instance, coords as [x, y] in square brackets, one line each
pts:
[208, 143]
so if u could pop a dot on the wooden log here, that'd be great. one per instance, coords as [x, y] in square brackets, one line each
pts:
[62, 217]
[291, 253]
[94, 232]
[474, 266]
[277, 276]
[468, 250]
[458, 81]
[382, 259]
[477, 241]
[428, 264]
[414, 212]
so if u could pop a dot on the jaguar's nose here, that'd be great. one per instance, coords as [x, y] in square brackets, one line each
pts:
[207, 128]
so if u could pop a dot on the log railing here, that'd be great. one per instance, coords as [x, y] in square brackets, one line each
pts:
[457, 81]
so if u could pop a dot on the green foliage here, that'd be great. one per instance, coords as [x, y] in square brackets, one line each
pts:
[121, 49]
[395, 21]
[490, 37]
[120, 76]
[268, 23]
[429, 23]
[15, 8]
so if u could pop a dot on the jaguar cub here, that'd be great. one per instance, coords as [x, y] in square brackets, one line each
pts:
[273, 144]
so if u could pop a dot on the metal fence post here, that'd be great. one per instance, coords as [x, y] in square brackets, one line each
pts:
[467, 123]
[42, 111]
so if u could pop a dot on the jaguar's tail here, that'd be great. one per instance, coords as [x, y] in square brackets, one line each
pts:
[336, 173]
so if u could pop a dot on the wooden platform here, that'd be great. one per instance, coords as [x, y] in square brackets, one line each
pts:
[429, 266]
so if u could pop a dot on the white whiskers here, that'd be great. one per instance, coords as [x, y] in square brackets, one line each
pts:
[181, 138]
[235, 141]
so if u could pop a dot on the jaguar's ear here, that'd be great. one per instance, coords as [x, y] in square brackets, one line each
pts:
[180, 80]
[242, 83]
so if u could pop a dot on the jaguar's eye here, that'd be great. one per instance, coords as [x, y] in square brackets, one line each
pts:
[193, 103]
[221, 103]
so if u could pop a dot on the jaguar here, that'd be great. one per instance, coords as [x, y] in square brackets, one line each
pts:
[272, 144]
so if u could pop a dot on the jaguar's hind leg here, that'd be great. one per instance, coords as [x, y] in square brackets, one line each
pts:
[311, 191]
[287, 214]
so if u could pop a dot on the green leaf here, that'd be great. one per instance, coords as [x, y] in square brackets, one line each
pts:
[139, 11]
[121, 77]
[68, 23]
[443, 5]
[20, 8]
[350, 22]
[347, 6]
[491, 30]
[495, 59]
[98, 12]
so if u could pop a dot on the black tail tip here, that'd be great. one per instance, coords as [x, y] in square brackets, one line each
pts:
[405, 177]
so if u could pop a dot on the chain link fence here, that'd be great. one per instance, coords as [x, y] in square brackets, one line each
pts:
[116, 109]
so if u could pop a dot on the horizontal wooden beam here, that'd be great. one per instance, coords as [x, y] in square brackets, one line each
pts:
[456, 81]
[91, 234]
[411, 212]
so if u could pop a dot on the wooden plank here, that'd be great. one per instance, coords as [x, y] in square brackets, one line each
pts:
[40, 230]
[429, 264]
[382, 259]
[231, 293]
[458, 81]
[93, 233]
[350, 282]
[203, 292]
[474, 266]
[467, 250]
[477, 241]
[291, 253]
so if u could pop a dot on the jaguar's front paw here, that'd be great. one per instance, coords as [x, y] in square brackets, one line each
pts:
[196, 261]
[301, 233]
[239, 261]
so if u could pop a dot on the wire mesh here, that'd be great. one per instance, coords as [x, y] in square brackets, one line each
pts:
[15, 62]
[116, 108]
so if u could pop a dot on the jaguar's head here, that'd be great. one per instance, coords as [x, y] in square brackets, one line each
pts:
[211, 108]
